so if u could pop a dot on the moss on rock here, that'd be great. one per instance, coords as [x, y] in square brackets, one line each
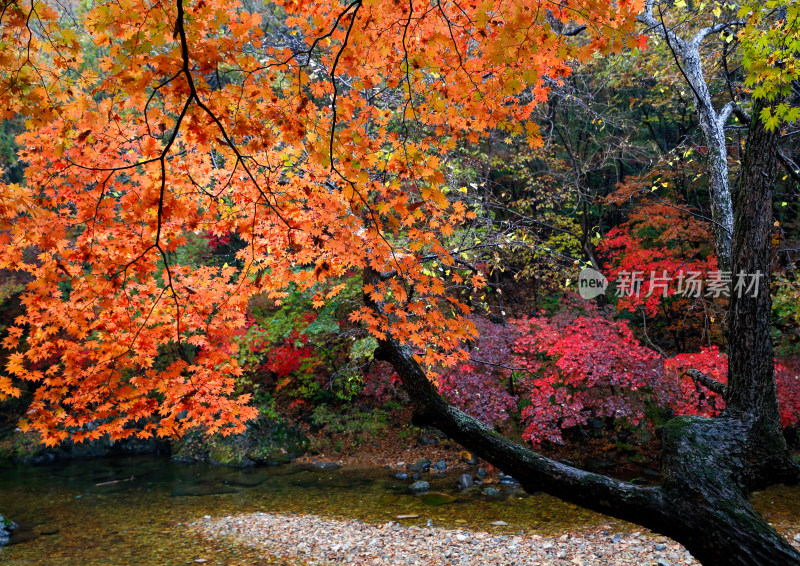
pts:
[265, 442]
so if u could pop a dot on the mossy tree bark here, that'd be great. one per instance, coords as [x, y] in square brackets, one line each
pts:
[709, 465]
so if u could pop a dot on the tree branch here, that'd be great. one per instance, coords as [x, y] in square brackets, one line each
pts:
[574, 31]
[726, 112]
[790, 166]
[710, 30]
[708, 382]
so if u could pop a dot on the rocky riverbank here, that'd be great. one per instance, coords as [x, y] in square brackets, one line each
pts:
[312, 540]
[265, 442]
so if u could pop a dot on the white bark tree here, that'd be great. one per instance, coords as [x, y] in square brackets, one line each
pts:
[712, 121]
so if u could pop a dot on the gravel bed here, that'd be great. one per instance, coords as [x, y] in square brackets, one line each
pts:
[312, 540]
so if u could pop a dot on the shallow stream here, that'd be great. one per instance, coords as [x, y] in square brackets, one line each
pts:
[131, 511]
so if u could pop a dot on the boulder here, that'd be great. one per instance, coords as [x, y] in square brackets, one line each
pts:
[419, 487]
[265, 442]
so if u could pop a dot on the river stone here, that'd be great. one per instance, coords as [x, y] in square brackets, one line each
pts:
[440, 466]
[508, 480]
[437, 499]
[246, 481]
[421, 466]
[402, 476]
[47, 529]
[481, 473]
[6, 526]
[200, 489]
[419, 487]
[492, 492]
[465, 482]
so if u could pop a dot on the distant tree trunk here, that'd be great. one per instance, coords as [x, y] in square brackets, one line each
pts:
[709, 465]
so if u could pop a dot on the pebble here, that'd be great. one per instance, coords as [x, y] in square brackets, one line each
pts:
[317, 541]
[492, 492]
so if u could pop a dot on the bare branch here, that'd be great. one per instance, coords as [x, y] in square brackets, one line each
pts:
[791, 167]
[709, 383]
[710, 30]
[725, 113]
[574, 31]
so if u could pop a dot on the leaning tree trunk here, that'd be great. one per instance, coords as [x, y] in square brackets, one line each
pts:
[709, 465]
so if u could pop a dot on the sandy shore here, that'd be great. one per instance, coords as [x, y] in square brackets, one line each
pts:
[312, 540]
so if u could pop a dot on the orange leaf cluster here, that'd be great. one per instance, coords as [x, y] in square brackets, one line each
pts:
[317, 132]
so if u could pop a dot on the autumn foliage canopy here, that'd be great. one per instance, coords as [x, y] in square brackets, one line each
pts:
[313, 131]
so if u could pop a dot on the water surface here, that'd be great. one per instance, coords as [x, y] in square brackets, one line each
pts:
[133, 511]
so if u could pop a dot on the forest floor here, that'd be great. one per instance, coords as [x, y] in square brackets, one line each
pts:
[311, 540]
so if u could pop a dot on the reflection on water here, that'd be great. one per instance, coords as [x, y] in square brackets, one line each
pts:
[129, 511]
